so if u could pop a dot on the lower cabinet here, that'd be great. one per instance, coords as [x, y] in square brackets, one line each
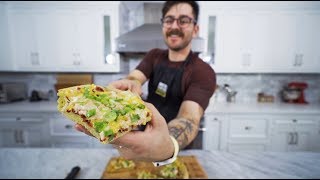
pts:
[295, 133]
[211, 137]
[24, 130]
[262, 132]
[64, 135]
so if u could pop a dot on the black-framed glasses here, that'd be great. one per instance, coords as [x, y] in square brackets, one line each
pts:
[183, 21]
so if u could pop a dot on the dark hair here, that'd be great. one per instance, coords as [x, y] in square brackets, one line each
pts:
[168, 5]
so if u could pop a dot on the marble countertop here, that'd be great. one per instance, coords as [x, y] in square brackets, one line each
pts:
[219, 107]
[57, 163]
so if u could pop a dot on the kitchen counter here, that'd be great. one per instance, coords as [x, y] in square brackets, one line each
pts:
[57, 163]
[255, 107]
[220, 107]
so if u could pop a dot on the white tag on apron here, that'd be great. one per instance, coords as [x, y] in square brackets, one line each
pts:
[162, 89]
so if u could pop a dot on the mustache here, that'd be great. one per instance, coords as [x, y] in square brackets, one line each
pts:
[175, 32]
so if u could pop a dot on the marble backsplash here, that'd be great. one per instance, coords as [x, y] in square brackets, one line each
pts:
[246, 85]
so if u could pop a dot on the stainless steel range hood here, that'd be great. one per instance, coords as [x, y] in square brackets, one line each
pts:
[149, 35]
[146, 37]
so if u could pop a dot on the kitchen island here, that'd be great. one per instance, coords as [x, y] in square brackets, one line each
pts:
[57, 163]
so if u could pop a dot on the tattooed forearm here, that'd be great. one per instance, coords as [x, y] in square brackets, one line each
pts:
[184, 130]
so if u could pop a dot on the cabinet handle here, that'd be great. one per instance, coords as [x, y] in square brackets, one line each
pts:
[294, 120]
[18, 118]
[247, 127]
[68, 126]
[290, 138]
[295, 138]
[21, 137]
[202, 129]
[16, 136]
[215, 119]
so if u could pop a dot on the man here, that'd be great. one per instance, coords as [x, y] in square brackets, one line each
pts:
[179, 89]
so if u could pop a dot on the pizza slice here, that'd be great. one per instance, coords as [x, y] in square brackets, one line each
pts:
[107, 113]
[175, 170]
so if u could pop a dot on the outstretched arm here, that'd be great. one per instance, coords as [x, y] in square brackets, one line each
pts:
[186, 125]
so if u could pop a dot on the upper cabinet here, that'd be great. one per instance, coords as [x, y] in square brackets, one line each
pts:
[64, 37]
[6, 63]
[275, 38]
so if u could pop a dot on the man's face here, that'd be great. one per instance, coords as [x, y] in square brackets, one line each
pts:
[175, 36]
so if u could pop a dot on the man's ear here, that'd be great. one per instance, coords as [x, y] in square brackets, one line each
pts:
[195, 31]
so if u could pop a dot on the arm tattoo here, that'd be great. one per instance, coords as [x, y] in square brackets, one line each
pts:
[184, 130]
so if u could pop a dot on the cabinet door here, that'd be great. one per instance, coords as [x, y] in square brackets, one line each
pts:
[307, 55]
[294, 133]
[47, 40]
[93, 43]
[24, 49]
[65, 31]
[232, 53]
[23, 131]
[9, 137]
[279, 39]
[212, 134]
[5, 61]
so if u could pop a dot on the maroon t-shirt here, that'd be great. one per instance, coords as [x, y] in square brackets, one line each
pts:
[198, 80]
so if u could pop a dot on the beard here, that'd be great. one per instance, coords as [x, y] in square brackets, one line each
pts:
[185, 40]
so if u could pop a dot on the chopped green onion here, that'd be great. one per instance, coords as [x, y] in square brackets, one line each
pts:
[135, 118]
[99, 126]
[110, 116]
[90, 113]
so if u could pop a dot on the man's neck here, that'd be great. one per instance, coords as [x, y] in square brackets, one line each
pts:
[178, 56]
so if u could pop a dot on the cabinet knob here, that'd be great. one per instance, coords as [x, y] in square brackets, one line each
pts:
[215, 119]
[68, 126]
[247, 128]
[294, 120]
[18, 118]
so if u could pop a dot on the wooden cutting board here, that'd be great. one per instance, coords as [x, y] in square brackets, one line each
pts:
[195, 170]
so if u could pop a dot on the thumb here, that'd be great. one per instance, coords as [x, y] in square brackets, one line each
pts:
[157, 120]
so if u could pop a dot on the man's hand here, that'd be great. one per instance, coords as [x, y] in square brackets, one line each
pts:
[152, 144]
[128, 84]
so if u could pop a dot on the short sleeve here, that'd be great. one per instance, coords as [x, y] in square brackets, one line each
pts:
[202, 86]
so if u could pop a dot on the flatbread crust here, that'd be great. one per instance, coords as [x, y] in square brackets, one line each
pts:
[132, 169]
[107, 113]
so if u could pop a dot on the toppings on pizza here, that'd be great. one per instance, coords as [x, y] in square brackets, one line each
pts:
[107, 113]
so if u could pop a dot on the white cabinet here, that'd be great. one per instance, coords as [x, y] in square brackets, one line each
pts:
[34, 40]
[264, 40]
[246, 133]
[63, 38]
[294, 133]
[6, 63]
[262, 132]
[24, 130]
[307, 54]
[211, 137]
[64, 135]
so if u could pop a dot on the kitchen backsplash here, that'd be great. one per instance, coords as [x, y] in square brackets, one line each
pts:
[246, 85]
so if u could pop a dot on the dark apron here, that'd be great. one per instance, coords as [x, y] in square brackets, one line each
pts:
[165, 88]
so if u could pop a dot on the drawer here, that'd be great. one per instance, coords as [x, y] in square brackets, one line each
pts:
[296, 123]
[60, 125]
[247, 147]
[21, 119]
[248, 128]
[70, 142]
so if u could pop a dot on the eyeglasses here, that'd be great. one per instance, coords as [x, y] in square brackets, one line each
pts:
[183, 21]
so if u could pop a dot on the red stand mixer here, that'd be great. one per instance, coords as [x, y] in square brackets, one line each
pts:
[294, 93]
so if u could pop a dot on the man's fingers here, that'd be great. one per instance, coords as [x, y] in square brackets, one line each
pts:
[157, 119]
[80, 128]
